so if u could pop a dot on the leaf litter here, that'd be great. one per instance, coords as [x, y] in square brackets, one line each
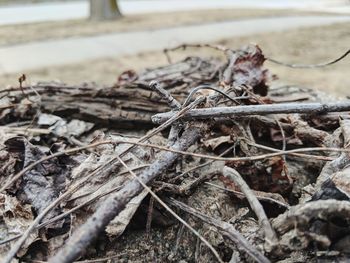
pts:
[288, 207]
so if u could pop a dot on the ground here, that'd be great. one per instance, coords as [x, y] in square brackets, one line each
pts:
[57, 30]
[310, 45]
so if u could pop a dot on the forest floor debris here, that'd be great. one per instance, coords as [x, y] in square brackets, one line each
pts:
[90, 173]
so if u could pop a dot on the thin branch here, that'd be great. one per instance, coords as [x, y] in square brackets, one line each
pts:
[246, 158]
[206, 113]
[320, 65]
[262, 198]
[225, 228]
[270, 234]
[172, 212]
[201, 87]
[116, 202]
[302, 155]
[172, 102]
[65, 214]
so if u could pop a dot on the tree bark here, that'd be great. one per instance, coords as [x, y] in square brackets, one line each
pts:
[104, 10]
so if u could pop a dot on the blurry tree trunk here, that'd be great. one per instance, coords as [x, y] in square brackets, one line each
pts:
[104, 9]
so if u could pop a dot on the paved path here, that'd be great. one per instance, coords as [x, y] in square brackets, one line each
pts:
[20, 58]
[80, 9]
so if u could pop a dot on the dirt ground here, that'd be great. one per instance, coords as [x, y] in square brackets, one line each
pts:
[311, 45]
[57, 30]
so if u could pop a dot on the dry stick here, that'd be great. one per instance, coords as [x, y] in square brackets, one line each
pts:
[308, 156]
[270, 234]
[11, 254]
[320, 65]
[116, 202]
[284, 141]
[56, 218]
[247, 158]
[223, 93]
[106, 182]
[172, 212]
[309, 108]
[262, 198]
[340, 162]
[174, 133]
[63, 215]
[225, 228]
[149, 217]
[172, 102]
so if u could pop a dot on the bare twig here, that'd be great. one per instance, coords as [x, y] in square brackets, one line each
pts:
[201, 87]
[172, 102]
[63, 215]
[225, 228]
[115, 203]
[339, 163]
[310, 108]
[320, 65]
[172, 212]
[270, 234]
[149, 216]
[262, 198]
[306, 156]
[247, 158]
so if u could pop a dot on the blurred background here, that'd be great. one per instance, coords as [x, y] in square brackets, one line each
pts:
[82, 41]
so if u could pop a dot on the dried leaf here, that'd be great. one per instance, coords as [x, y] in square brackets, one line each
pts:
[216, 142]
[61, 128]
[117, 226]
[15, 219]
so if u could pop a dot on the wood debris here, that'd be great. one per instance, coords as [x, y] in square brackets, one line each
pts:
[201, 160]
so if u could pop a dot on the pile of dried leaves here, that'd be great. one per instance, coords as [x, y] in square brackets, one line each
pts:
[236, 171]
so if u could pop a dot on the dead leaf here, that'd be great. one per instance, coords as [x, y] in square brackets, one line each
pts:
[216, 142]
[117, 226]
[15, 218]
